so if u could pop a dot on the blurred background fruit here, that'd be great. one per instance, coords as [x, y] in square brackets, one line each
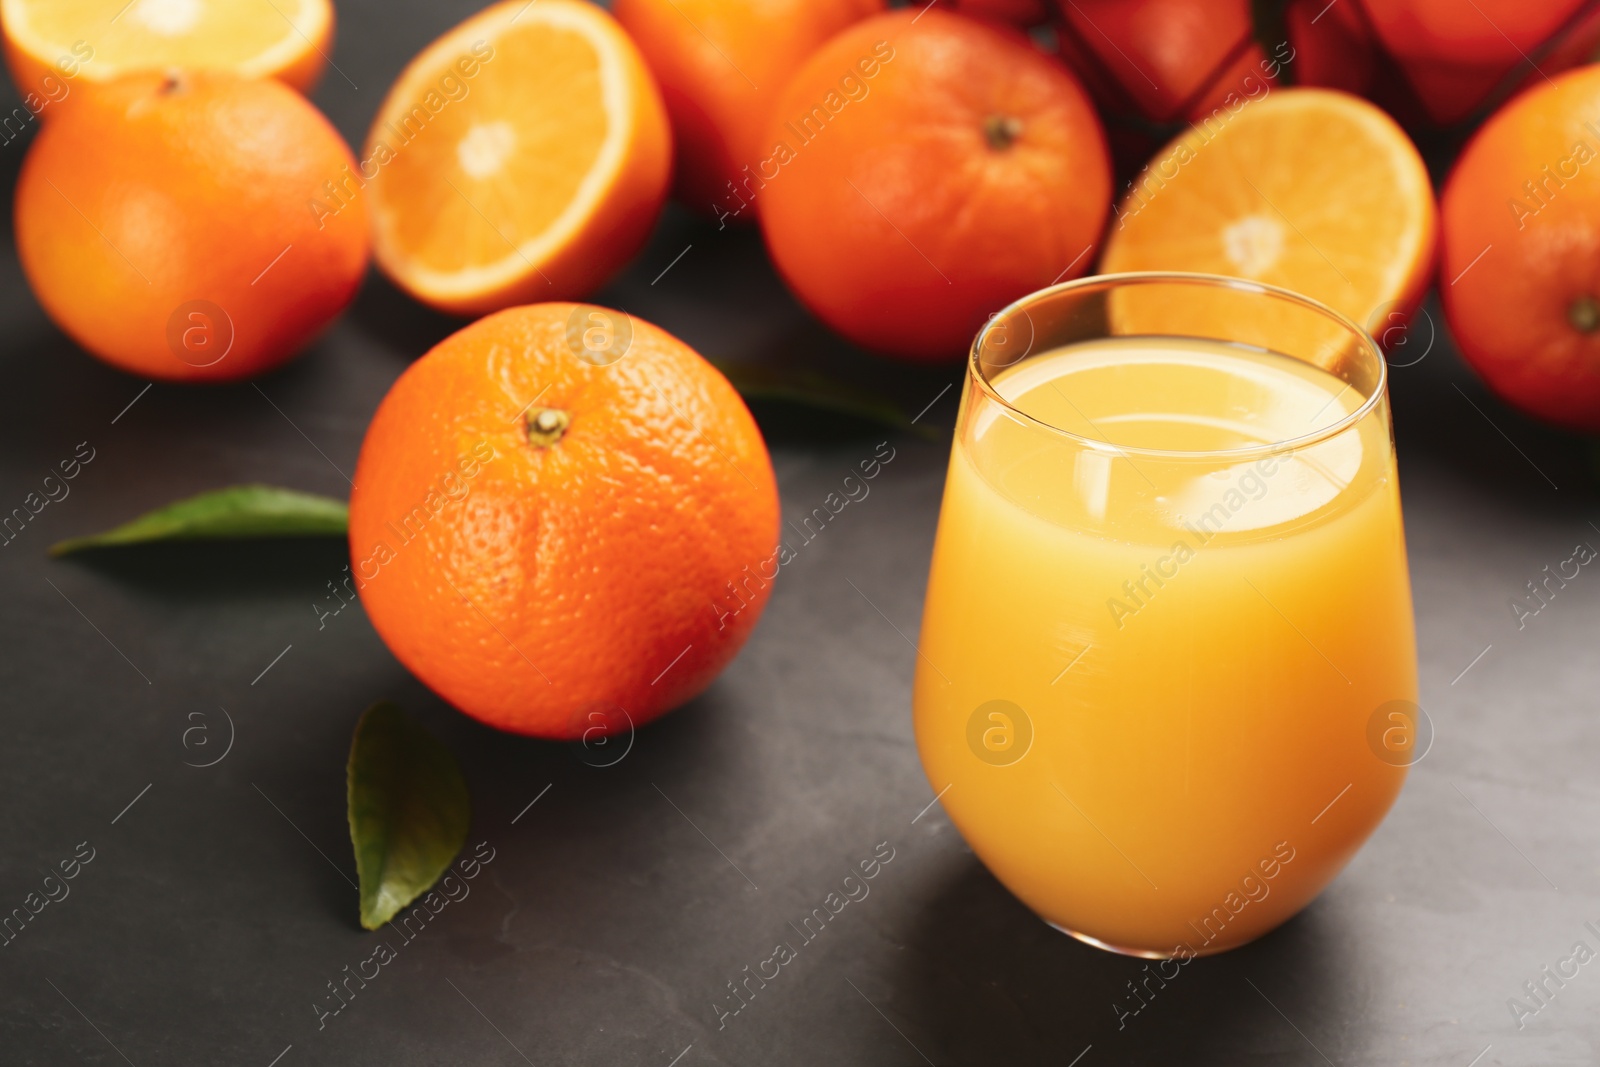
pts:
[1165, 60]
[1334, 48]
[1454, 54]
[564, 519]
[1428, 62]
[1308, 189]
[1520, 271]
[166, 223]
[524, 155]
[721, 65]
[933, 169]
[285, 39]
[1019, 13]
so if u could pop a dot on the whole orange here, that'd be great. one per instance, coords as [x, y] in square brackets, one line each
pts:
[721, 65]
[1520, 274]
[927, 170]
[170, 224]
[564, 521]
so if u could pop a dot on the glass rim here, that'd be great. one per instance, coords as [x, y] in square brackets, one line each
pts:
[976, 373]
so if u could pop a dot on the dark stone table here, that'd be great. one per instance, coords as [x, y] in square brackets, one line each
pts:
[622, 900]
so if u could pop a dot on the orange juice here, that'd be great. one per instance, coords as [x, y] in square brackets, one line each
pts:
[1156, 637]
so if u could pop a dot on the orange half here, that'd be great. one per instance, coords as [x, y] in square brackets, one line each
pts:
[1313, 190]
[523, 156]
[98, 40]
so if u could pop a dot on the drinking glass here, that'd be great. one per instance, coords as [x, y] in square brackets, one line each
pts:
[1166, 683]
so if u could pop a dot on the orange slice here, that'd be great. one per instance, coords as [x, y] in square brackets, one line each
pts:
[92, 41]
[1312, 190]
[523, 156]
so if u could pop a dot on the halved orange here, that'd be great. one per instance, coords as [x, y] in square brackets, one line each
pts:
[523, 156]
[94, 41]
[1312, 190]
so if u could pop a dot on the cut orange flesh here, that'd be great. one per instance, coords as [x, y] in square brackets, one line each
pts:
[1312, 190]
[523, 156]
[98, 40]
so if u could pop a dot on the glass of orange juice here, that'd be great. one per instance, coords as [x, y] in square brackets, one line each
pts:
[1167, 678]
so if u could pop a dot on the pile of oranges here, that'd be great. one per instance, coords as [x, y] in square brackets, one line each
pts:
[185, 213]
[912, 170]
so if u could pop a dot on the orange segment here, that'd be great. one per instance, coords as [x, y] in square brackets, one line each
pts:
[524, 155]
[1312, 190]
[285, 39]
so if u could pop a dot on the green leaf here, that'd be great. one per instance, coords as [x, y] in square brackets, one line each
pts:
[810, 389]
[237, 512]
[408, 810]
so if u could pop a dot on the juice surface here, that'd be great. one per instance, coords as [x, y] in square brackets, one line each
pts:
[1150, 680]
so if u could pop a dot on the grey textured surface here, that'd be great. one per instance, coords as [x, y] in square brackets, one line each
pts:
[606, 927]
